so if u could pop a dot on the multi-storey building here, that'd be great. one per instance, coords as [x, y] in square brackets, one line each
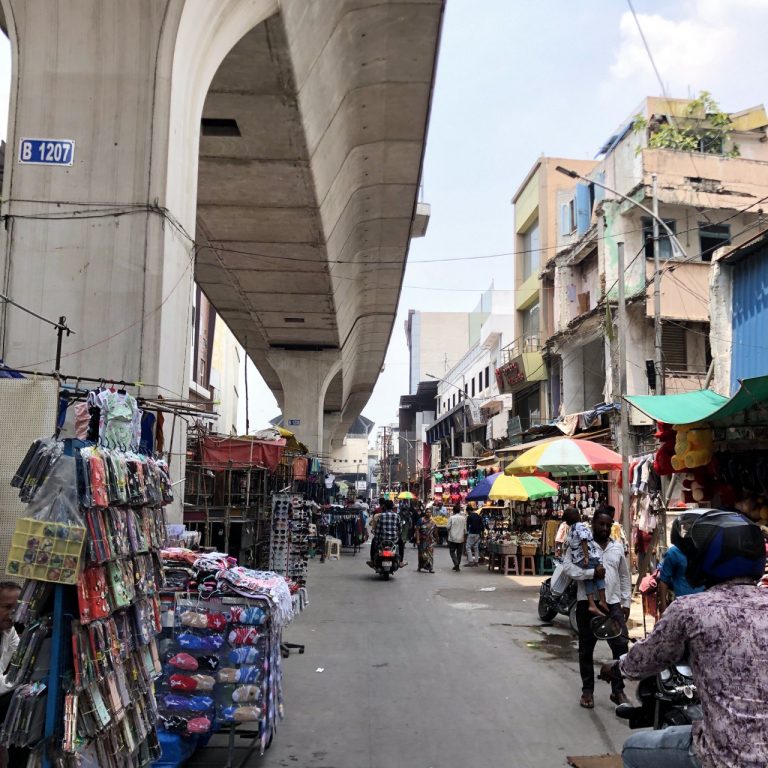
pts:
[708, 199]
[522, 369]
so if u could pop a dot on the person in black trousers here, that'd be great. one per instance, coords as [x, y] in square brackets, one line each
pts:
[618, 595]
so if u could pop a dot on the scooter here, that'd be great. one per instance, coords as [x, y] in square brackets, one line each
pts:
[386, 561]
[669, 698]
[552, 604]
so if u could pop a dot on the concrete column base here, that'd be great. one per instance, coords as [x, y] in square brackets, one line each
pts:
[305, 377]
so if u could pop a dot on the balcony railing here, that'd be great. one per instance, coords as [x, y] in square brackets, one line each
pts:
[520, 345]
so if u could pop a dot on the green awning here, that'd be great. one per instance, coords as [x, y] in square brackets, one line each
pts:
[702, 405]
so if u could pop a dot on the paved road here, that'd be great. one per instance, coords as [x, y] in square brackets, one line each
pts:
[429, 671]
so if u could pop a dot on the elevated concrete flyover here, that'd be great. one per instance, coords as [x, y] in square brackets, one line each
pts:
[313, 133]
[292, 202]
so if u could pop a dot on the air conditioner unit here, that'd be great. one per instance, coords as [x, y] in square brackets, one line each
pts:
[639, 419]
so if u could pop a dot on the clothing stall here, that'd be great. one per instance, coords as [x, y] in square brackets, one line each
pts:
[346, 524]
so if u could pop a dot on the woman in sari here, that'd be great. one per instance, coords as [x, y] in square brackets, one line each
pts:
[425, 541]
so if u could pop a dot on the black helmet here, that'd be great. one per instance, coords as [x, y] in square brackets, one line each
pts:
[721, 546]
[682, 525]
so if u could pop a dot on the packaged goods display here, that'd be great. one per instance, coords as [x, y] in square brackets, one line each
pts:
[86, 663]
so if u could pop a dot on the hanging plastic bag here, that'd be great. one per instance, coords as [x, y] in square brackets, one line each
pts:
[48, 541]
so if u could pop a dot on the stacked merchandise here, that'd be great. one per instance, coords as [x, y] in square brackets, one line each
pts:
[215, 665]
[221, 656]
[282, 509]
[96, 521]
[298, 544]
[452, 484]
[289, 549]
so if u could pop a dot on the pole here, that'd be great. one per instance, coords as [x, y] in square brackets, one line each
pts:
[61, 328]
[624, 424]
[658, 360]
[247, 419]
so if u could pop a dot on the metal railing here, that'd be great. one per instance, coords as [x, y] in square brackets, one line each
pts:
[529, 343]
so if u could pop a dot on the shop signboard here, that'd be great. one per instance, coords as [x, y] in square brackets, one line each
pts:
[361, 485]
[46, 151]
[294, 422]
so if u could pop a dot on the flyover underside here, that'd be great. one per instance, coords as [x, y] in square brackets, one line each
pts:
[308, 210]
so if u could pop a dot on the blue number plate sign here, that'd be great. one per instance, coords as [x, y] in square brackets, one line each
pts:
[46, 151]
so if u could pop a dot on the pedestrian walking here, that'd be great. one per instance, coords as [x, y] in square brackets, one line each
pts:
[475, 528]
[425, 541]
[457, 536]
[618, 593]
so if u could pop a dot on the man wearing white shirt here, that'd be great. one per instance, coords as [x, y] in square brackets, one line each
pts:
[618, 595]
[457, 536]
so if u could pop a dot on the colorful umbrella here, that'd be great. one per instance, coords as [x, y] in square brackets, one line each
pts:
[405, 495]
[500, 486]
[482, 488]
[565, 456]
[523, 488]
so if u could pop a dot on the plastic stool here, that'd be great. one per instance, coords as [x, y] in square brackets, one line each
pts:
[333, 548]
[546, 564]
[527, 565]
[508, 564]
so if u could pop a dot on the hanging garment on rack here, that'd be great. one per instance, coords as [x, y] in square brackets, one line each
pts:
[147, 442]
[120, 418]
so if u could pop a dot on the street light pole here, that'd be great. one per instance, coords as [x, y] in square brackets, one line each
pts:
[624, 412]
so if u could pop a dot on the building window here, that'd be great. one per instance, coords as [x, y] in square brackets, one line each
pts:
[473, 386]
[712, 237]
[531, 329]
[454, 399]
[466, 389]
[531, 245]
[665, 246]
[674, 348]
[487, 376]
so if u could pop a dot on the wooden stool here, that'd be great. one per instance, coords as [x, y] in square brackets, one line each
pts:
[527, 565]
[333, 548]
[508, 564]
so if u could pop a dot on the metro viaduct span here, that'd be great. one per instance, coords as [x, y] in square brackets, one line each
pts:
[270, 150]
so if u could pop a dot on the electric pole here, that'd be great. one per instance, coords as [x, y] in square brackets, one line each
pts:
[657, 353]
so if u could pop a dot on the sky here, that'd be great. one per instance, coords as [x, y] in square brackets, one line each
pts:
[517, 79]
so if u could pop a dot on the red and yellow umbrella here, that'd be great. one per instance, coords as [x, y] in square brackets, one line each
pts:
[516, 488]
[565, 456]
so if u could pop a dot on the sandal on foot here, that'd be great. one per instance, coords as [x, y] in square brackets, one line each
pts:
[587, 701]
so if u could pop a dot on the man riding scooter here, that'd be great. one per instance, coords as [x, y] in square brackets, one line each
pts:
[722, 632]
[387, 528]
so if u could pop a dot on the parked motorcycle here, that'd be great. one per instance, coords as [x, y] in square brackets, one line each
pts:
[552, 604]
[386, 561]
[669, 698]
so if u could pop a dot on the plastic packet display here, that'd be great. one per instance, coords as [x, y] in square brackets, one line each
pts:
[47, 542]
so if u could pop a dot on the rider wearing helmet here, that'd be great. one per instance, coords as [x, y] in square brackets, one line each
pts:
[672, 575]
[722, 632]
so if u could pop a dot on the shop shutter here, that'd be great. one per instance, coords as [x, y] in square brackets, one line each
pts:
[673, 348]
[750, 318]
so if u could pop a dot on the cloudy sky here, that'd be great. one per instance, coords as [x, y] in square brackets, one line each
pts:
[517, 79]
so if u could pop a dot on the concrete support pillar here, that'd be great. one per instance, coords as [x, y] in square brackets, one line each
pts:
[92, 241]
[331, 422]
[305, 377]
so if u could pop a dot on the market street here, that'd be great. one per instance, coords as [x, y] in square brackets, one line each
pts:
[428, 671]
